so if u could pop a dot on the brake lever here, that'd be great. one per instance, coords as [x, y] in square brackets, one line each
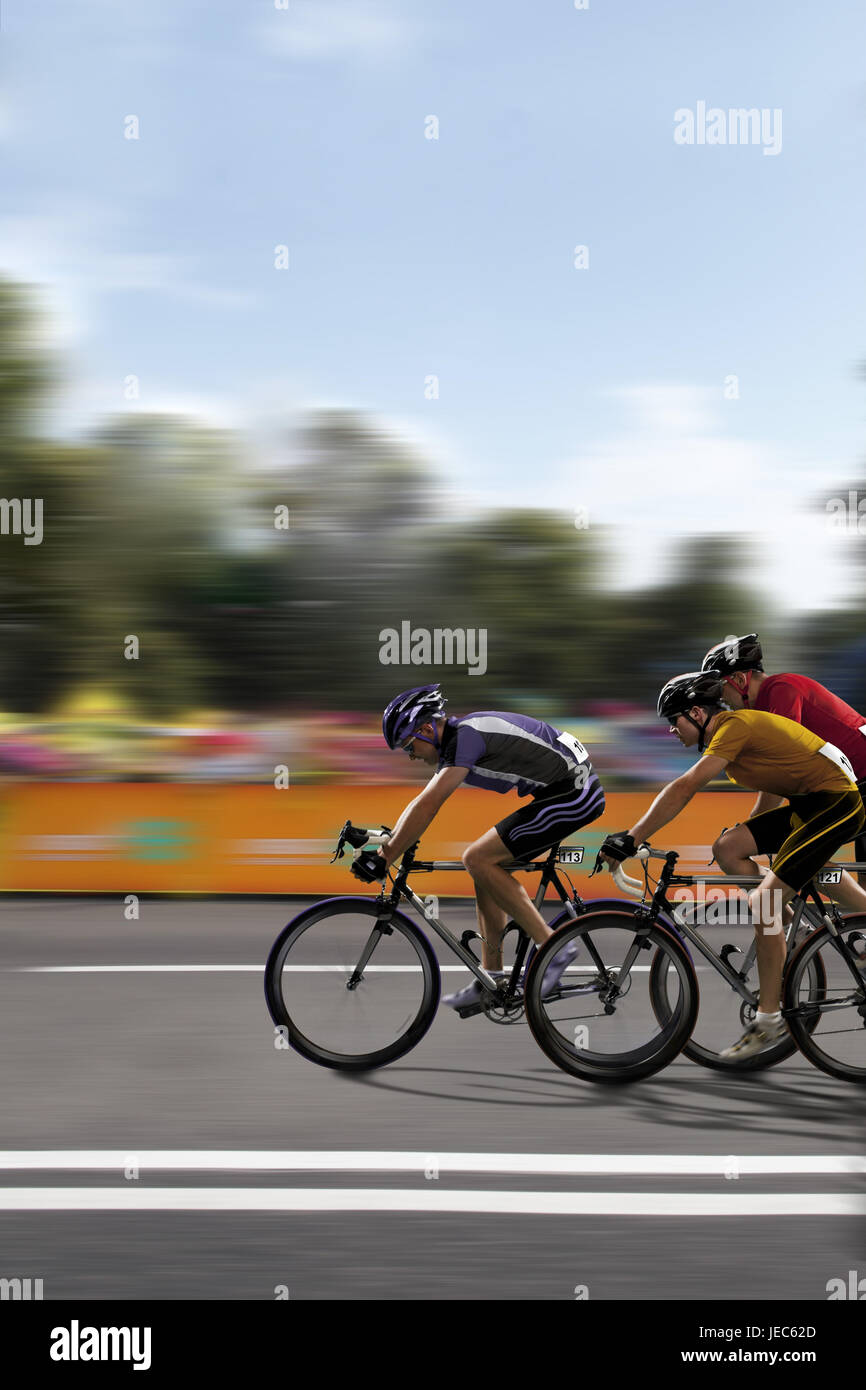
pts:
[355, 837]
[338, 852]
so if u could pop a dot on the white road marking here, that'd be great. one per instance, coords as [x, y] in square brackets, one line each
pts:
[431, 1199]
[395, 1161]
[228, 969]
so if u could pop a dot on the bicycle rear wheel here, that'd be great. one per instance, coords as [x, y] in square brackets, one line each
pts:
[600, 1024]
[831, 1030]
[723, 1012]
[354, 992]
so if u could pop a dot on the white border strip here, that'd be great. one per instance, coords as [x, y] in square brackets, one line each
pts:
[622, 1204]
[389, 1161]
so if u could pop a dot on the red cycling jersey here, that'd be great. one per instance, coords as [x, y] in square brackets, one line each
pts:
[817, 709]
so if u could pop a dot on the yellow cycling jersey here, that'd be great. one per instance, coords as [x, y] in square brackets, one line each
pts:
[768, 753]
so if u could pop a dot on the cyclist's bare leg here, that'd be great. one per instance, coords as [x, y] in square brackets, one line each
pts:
[732, 852]
[492, 921]
[484, 859]
[767, 903]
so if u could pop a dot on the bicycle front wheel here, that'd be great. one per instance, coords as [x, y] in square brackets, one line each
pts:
[354, 991]
[599, 1022]
[829, 1030]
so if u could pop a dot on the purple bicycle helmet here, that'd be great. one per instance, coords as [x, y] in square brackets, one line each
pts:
[409, 710]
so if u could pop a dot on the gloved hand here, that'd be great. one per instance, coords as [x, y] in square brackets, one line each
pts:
[369, 867]
[618, 847]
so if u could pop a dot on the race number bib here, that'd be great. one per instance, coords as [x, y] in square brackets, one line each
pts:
[838, 757]
[829, 876]
[574, 746]
[571, 854]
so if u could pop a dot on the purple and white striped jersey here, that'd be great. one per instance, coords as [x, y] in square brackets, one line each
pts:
[506, 752]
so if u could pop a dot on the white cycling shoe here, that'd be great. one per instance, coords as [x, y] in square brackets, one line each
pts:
[472, 993]
[757, 1038]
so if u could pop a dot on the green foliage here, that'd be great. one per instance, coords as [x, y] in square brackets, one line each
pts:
[160, 527]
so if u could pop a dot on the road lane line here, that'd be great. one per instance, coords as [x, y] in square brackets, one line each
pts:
[291, 969]
[431, 1200]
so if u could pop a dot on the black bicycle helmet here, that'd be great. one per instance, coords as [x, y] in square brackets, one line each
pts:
[702, 688]
[735, 654]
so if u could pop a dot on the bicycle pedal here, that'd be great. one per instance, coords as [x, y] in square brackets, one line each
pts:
[469, 1010]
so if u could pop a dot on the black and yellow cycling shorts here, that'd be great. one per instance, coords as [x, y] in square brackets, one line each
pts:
[805, 834]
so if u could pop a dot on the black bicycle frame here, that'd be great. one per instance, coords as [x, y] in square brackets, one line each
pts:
[828, 912]
[459, 945]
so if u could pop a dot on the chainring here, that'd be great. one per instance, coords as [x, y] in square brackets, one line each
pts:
[498, 1011]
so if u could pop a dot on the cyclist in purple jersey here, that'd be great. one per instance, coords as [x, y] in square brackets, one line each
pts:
[501, 752]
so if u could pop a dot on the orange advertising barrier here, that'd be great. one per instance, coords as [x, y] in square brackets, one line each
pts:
[213, 838]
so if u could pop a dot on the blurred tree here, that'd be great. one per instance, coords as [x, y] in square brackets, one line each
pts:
[361, 505]
[156, 526]
[527, 579]
[667, 629]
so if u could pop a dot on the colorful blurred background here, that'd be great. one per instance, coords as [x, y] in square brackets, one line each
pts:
[296, 363]
[258, 589]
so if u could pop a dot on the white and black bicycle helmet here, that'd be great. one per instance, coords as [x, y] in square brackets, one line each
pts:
[735, 654]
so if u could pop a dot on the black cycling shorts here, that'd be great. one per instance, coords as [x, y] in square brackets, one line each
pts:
[807, 833]
[551, 816]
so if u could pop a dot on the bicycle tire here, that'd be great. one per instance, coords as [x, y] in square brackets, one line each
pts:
[417, 1026]
[805, 1037]
[706, 1057]
[612, 1068]
[555, 923]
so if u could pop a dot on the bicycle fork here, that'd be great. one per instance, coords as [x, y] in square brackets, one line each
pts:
[381, 929]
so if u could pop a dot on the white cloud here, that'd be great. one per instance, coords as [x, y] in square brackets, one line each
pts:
[312, 30]
[677, 469]
[81, 403]
[71, 256]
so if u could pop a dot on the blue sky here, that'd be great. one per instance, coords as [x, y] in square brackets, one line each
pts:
[602, 387]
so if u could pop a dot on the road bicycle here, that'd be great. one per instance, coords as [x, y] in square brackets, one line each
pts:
[824, 990]
[355, 983]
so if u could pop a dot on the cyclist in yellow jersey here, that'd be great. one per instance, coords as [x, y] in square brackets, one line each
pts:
[740, 663]
[764, 752]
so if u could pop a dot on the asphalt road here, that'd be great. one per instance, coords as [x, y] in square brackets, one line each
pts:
[103, 1067]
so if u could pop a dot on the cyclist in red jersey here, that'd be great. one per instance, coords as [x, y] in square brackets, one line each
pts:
[739, 661]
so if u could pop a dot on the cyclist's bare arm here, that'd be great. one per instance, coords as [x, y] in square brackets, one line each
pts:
[767, 801]
[420, 812]
[677, 795]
